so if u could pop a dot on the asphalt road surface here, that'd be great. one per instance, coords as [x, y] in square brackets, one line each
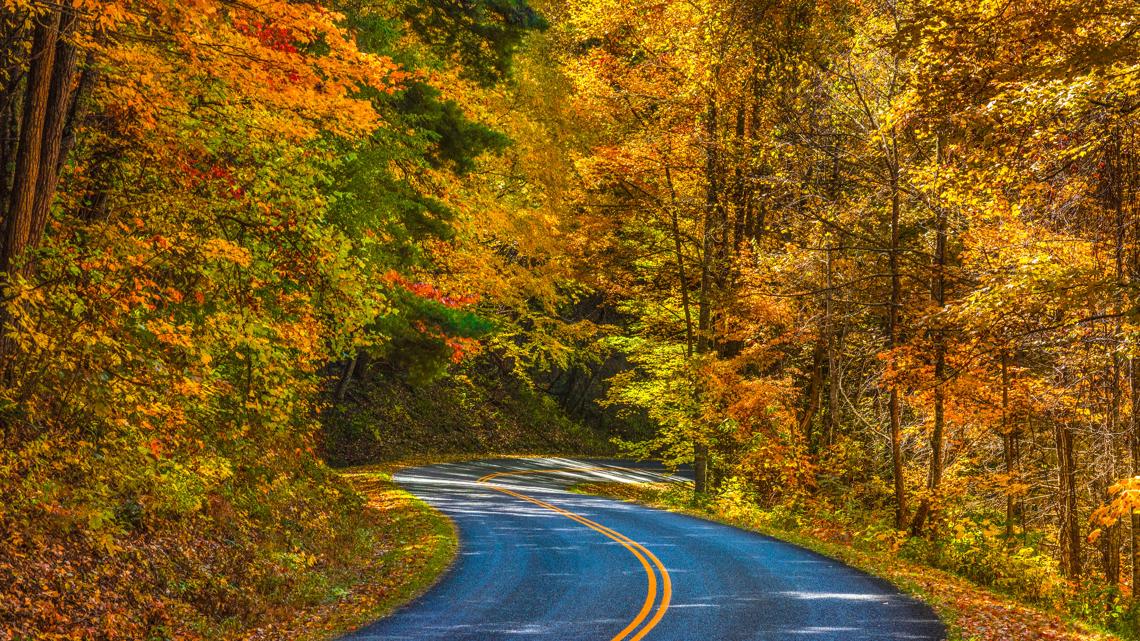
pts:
[539, 562]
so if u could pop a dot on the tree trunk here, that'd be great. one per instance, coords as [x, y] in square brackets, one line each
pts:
[346, 378]
[893, 341]
[1129, 228]
[1009, 448]
[679, 256]
[58, 111]
[831, 417]
[1129, 236]
[1070, 529]
[18, 219]
[9, 91]
[709, 255]
[815, 388]
[739, 190]
[938, 295]
[1134, 451]
[1110, 540]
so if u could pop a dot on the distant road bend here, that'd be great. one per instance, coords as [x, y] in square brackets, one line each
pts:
[539, 562]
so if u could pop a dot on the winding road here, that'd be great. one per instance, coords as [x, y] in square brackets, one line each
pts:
[539, 562]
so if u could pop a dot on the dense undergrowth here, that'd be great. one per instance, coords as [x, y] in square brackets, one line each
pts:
[983, 589]
[479, 410]
[302, 558]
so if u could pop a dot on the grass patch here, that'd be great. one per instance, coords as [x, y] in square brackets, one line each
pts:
[971, 612]
[406, 546]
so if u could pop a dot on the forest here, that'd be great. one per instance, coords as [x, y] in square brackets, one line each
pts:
[870, 267]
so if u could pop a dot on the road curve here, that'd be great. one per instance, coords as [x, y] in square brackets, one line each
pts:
[539, 562]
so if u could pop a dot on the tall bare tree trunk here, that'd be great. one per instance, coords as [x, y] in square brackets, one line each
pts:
[709, 255]
[1009, 448]
[1130, 224]
[679, 256]
[739, 190]
[938, 295]
[893, 341]
[831, 417]
[1134, 452]
[1110, 540]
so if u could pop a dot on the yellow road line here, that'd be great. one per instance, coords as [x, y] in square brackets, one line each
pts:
[639, 551]
[651, 592]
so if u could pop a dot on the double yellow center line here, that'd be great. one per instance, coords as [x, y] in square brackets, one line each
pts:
[648, 560]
